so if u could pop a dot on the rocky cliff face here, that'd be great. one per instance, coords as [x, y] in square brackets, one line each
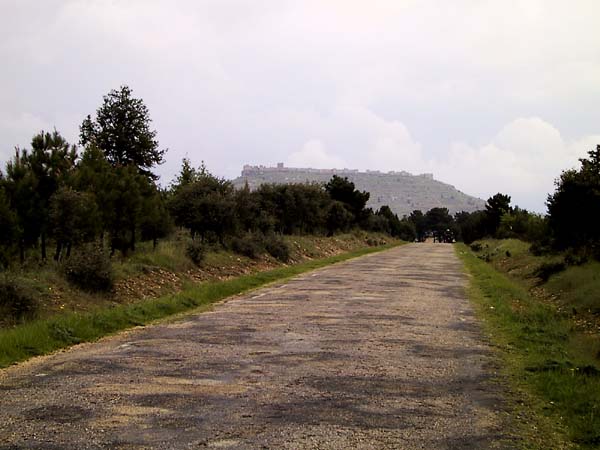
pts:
[402, 191]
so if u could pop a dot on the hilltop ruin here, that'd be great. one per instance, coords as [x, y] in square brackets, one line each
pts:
[401, 191]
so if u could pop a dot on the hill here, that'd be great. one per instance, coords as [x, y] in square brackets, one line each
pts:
[401, 191]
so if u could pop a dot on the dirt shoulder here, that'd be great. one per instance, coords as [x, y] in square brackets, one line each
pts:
[381, 351]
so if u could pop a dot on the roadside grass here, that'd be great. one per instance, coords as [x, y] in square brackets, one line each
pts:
[169, 254]
[578, 287]
[546, 360]
[44, 336]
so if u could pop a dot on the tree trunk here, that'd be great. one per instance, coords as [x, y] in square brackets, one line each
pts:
[43, 246]
[22, 251]
[132, 243]
[59, 246]
[68, 249]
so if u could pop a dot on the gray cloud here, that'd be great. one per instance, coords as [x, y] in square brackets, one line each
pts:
[476, 92]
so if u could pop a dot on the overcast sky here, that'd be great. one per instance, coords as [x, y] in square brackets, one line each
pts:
[488, 95]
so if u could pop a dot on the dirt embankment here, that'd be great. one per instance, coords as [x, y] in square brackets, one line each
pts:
[155, 281]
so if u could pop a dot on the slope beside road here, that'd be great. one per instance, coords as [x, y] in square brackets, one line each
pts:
[382, 351]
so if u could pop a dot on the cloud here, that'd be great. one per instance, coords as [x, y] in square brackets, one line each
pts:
[20, 129]
[359, 138]
[522, 160]
[313, 154]
[422, 86]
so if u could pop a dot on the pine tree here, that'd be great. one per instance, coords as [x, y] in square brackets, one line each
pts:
[122, 131]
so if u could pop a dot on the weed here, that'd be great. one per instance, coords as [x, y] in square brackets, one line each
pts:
[250, 245]
[578, 287]
[17, 300]
[89, 268]
[476, 246]
[195, 251]
[277, 248]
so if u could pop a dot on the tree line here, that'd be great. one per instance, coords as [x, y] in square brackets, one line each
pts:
[54, 198]
[572, 222]
[54, 195]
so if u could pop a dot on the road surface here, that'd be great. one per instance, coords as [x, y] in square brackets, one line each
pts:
[378, 352]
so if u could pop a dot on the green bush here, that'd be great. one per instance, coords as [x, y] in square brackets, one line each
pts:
[249, 245]
[374, 242]
[17, 301]
[90, 269]
[476, 247]
[575, 258]
[277, 248]
[196, 252]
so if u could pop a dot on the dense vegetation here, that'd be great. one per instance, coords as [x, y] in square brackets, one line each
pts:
[107, 194]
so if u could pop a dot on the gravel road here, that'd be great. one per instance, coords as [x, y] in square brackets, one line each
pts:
[379, 352]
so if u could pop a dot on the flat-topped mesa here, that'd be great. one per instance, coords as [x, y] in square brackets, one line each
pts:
[249, 170]
[400, 190]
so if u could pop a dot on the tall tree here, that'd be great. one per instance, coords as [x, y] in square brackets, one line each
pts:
[439, 221]
[495, 208]
[73, 218]
[21, 186]
[122, 131]
[418, 219]
[96, 176]
[471, 225]
[205, 207]
[343, 190]
[338, 218]
[395, 226]
[574, 208]
[51, 161]
[126, 198]
[9, 228]
[32, 178]
[188, 174]
[155, 220]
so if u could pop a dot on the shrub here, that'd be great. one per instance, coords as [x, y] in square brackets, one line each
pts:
[476, 247]
[575, 258]
[195, 251]
[540, 248]
[89, 268]
[17, 301]
[546, 270]
[277, 248]
[249, 245]
[371, 242]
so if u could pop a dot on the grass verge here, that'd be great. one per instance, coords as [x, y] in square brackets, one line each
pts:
[557, 387]
[47, 335]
